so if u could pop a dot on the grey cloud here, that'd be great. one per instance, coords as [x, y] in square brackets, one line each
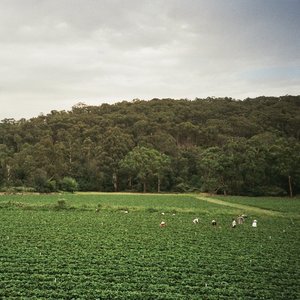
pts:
[54, 53]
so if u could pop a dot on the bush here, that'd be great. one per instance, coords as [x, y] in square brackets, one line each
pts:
[182, 188]
[69, 184]
[61, 204]
[42, 184]
[274, 191]
[17, 189]
[265, 191]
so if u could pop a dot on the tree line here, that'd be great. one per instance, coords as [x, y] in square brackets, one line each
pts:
[216, 145]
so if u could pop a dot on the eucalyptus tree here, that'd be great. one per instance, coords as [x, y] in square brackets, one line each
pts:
[145, 163]
[113, 148]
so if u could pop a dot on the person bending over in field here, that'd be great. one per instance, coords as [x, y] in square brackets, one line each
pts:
[240, 220]
[196, 221]
[254, 223]
[162, 224]
[233, 224]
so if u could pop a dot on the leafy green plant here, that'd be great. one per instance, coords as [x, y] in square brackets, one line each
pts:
[61, 204]
[69, 184]
[113, 255]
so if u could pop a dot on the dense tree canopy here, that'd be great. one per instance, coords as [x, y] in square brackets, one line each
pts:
[217, 145]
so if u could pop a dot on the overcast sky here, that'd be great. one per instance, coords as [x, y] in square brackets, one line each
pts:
[56, 53]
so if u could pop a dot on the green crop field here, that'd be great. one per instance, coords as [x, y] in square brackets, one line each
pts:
[271, 203]
[110, 246]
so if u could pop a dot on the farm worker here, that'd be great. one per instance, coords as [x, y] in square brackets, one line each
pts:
[162, 224]
[213, 223]
[240, 220]
[254, 223]
[233, 223]
[196, 221]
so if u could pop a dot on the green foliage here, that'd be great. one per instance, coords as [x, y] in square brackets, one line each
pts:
[145, 163]
[69, 184]
[42, 184]
[61, 204]
[218, 145]
[17, 189]
[180, 261]
[282, 204]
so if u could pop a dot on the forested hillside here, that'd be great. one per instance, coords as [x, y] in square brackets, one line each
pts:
[221, 145]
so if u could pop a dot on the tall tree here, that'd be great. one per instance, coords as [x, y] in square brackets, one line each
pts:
[115, 145]
[145, 163]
